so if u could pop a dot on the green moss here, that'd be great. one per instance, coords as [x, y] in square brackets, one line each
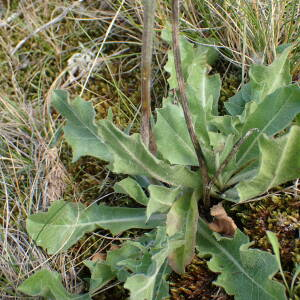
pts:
[196, 283]
[279, 214]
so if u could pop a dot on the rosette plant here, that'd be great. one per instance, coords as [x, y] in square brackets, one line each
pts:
[242, 155]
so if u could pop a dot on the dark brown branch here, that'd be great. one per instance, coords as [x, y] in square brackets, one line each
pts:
[147, 48]
[184, 103]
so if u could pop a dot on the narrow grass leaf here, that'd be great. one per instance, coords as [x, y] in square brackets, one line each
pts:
[275, 245]
[276, 248]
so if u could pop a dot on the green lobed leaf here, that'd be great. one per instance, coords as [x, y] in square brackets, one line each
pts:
[135, 265]
[236, 104]
[203, 93]
[161, 198]
[65, 223]
[151, 284]
[189, 55]
[81, 133]
[245, 273]
[264, 80]
[131, 257]
[183, 218]
[172, 137]
[203, 89]
[130, 187]
[130, 156]
[48, 284]
[274, 114]
[171, 129]
[120, 260]
[279, 163]
[225, 124]
[187, 51]
[101, 274]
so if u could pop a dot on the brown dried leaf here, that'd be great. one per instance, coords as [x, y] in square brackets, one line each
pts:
[114, 247]
[222, 223]
[56, 178]
[99, 257]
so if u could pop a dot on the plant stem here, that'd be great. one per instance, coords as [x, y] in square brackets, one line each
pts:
[147, 48]
[184, 103]
[234, 150]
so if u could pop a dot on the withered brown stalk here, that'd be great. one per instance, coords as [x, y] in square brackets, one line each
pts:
[185, 106]
[147, 49]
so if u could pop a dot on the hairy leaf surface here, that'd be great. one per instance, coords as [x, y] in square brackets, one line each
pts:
[245, 273]
[264, 80]
[170, 189]
[279, 163]
[151, 284]
[127, 259]
[101, 274]
[48, 284]
[274, 114]
[171, 127]
[182, 218]
[80, 131]
[65, 223]
[189, 55]
[130, 187]
[130, 156]
[161, 198]
[202, 89]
